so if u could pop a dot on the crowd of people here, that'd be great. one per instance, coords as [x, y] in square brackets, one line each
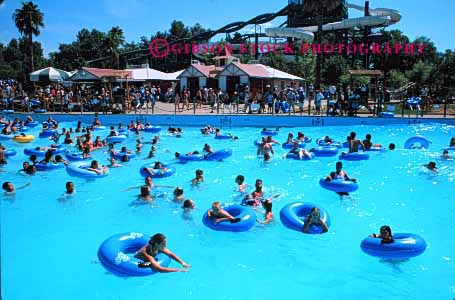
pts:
[331, 100]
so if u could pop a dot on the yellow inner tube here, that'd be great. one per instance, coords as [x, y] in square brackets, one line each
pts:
[23, 139]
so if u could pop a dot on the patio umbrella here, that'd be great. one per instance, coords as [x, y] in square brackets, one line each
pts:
[49, 75]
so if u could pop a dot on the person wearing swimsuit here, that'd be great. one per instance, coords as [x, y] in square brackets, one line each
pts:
[157, 244]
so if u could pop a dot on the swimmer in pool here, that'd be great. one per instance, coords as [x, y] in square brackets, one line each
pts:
[314, 217]
[217, 214]
[385, 235]
[241, 185]
[145, 194]
[268, 216]
[94, 167]
[157, 168]
[9, 188]
[157, 244]
[431, 166]
[70, 188]
[339, 174]
[178, 194]
[199, 177]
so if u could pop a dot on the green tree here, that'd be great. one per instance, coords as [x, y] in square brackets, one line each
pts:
[178, 31]
[29, 20]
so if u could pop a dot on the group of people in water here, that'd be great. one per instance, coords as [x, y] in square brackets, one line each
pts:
[255, 199]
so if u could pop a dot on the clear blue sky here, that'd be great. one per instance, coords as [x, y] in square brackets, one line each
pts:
[64, 18]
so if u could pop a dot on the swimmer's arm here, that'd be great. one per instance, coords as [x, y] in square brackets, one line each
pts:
[24, 186]
[226, 215]
[175, 257]
[156, 266]
[94, 170]
[306, 225]
[324, 226]
[131, 188]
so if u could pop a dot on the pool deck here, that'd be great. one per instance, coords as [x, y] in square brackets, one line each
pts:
[164, 114]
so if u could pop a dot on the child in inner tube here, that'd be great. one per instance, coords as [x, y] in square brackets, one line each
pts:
[217, 214]
[157, 244]
[207, 150]
[158, 167]
[314, 217]
[385, 234]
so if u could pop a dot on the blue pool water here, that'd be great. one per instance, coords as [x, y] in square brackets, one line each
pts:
[49, 244]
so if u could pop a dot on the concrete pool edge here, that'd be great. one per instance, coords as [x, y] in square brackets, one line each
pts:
[238, 121]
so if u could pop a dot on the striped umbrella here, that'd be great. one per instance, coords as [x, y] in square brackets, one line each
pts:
[49, 75]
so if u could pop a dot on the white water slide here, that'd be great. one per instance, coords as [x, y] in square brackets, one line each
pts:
[378, 17]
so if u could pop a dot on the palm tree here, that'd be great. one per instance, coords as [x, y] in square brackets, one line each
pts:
[115, 37]
[29, 20]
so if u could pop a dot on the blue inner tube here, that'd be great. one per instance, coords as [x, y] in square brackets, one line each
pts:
[153, 129]
[40, 111]
[291, 145]
[327, 151]
[219, 155]
[116, 138]
[116, 254]
[49, 166]
[245, 214]
[6, 136]
[223, 137]
[405, 245]
[77, 156]
[308, 139]
[449, 149]
[376, 149]
[386, 114]
[31, 124]
[321, 142]
[296, 157]
[157, 173]
[417, 142]
[122, 131]
[293, 216]
[132, 129]
[47, 133]
[79, 169]
[23, 129]
[338, 185]
[354, 156]
[7, 111]
[41, 153]
[9, 153]
[120, 155]
[194, 157]
[269, 132]
[95, 128]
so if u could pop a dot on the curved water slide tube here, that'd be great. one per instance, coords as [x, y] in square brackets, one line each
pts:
[378, 17]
